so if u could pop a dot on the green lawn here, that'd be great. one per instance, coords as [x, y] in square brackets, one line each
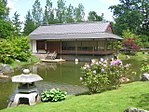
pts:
[33, 59]
[134, 94]
[138, 57]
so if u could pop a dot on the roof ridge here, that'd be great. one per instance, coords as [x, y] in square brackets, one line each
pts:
[86, 22]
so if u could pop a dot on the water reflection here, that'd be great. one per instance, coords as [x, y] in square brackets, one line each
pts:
[48, 66]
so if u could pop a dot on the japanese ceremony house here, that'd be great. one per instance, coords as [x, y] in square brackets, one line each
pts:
[74, 40]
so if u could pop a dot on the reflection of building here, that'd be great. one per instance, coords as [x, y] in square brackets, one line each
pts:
[52, 65]
[92, 39]
[33, 69]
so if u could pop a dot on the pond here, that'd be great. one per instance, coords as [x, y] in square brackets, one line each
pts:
[55, 75]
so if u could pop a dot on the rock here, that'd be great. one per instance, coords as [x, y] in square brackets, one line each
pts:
[132, 109]
[144, 77]
[5, 69]
[17, 60]
[3, 76]
[127, 57]
[124, 80]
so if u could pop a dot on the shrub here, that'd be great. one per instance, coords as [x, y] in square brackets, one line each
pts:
[131, 42]
[53, 95]
[6, 51]
[103, 75]
[144, 67]
[21, 48]
[14, 48]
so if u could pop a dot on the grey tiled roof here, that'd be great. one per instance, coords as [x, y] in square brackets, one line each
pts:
[73, 31]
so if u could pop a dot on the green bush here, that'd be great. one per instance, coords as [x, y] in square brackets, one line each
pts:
[53, 95]
[144, 68]
[6, 51]
[103, 75]
[14, 48]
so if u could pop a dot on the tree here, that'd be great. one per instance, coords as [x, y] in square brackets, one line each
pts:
[4, 11]
[145, 40]
[131, 42]
[92, 16]
[144, 9]
[70, 14]
[48, 13]
[130, 15]
[79, 13]
[6, 29]
[61, 11]
[17, 23]
[29, 25]
[37, 13]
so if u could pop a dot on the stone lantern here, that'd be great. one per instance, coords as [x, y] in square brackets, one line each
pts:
[27, 92]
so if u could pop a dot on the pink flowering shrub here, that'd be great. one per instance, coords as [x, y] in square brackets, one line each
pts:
[103, 75]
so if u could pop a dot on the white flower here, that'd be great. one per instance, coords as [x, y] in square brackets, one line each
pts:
[84, 67]
[105, 61]
[97, 63]
[94, 71]
[105, 65]
[102, 70]
[101, 59]
[81, 78]
[87, 65]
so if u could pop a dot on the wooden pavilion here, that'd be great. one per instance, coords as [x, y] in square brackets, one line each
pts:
[75, 39]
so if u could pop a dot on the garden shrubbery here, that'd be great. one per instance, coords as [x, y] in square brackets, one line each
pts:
[103, 75]
[14, 48]
[53, 95]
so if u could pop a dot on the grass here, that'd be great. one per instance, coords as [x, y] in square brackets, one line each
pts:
[33, 59]
[134, 94]
[138, 57]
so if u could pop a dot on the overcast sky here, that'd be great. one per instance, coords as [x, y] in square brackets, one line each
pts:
[100, 6]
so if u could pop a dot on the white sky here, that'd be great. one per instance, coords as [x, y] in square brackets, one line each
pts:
[99, 6]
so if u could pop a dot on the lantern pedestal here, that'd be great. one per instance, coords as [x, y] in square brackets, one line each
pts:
[20, 98]
[27, 92]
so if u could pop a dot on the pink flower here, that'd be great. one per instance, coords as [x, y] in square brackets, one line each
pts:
[116, 62]
[127, 65]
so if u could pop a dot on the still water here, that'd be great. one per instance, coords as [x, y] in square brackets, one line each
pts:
[55, 75]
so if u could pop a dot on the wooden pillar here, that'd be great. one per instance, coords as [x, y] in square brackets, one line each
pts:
[93, 48]
[60, 49]
[34, 46]
[97, 47]
[46, 46]
[112, 46]
[105, 45]
[76, 48]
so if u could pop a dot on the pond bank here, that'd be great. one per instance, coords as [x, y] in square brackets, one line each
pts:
[6, 70]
